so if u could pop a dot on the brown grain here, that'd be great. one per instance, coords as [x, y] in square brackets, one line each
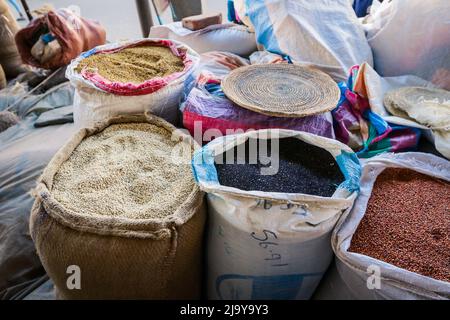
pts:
[407, 223]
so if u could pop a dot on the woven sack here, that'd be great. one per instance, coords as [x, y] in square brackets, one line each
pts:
[270, 245]
[119, 258]
[226, 37]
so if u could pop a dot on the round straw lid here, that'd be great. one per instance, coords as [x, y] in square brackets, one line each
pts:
[282, 90]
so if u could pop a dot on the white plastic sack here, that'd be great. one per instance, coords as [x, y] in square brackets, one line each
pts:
[411, 37]
[218, 64]
[376, 86]
[22, 161]
[396, 283]
[229, 37]
[323, 33]
[264, 245]
[92, 104]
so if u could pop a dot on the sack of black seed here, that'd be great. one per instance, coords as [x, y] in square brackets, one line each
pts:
[274, 197]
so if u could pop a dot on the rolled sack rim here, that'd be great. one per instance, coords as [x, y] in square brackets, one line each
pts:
[206, 176]
[154, 228]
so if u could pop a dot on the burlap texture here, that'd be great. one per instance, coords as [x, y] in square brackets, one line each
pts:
[119, 258]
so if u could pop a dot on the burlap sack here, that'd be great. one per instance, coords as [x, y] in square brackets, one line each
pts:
[75, 35]
[119, 258]
[9, 56]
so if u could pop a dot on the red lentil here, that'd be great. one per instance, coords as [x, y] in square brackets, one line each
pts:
[407, 223]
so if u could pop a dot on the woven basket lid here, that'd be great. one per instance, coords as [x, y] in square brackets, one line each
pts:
[282, 90]
[427, 106]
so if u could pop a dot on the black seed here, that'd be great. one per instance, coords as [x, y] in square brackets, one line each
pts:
[303, 168]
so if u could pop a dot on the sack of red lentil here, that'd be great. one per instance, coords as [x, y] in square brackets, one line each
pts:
[118, 215]
[269, 233]
[132, 77]
[394, 242]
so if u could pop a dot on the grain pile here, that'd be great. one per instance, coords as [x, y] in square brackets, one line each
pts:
[135, 65]
[407, 223]
[7, 119]
[125, 171]
[303, 168]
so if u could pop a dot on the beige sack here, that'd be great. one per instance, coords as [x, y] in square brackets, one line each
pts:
[119, 258]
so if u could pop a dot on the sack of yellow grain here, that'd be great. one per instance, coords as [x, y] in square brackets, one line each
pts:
[9, 56]
[131, 77]
[118, 215]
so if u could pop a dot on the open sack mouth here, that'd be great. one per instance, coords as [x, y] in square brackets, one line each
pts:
[140, 67]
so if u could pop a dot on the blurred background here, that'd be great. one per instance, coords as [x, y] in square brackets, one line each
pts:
[119, 17]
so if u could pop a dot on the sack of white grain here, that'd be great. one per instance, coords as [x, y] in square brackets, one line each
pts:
[267, 240]
[150, 75]
[118, 205]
